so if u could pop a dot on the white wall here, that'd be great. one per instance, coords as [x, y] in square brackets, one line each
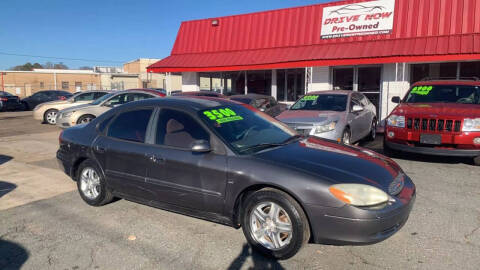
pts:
[320, 79]
[395, 83]
[190, 81]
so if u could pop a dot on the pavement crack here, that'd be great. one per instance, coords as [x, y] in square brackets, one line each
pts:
[364, 261]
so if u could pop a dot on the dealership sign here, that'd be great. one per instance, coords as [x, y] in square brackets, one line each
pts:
[358, 19]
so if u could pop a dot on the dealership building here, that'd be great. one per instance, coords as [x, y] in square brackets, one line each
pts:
[378, 48]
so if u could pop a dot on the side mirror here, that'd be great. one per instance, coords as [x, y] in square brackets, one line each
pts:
[201, 146]
[357, 108]
[396, 99]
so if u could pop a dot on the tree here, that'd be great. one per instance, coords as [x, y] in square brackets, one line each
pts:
[37, 65]
[60, 66]
[48, 65]
[25, 67]
[85, 68]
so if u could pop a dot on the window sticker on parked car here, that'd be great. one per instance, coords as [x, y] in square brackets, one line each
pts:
[310, 98]
[422, 90]
[223, 115]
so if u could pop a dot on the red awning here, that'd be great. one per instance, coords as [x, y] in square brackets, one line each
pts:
[446, 48]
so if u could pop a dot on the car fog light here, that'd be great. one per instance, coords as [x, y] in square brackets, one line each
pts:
[391, 134]
[476, 140]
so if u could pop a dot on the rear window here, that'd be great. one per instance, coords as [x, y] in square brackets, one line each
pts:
[131, 125]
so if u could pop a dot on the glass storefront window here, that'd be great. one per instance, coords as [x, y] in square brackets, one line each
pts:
[470, 69]
[290, 84]
[260, 82]
[343, 79]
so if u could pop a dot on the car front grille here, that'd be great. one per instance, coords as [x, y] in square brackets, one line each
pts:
[434, 124]
[303, 129]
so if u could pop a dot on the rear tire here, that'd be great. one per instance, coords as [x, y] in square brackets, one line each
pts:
[50, 117]
[91, 184]
[347, 136]
[279, 234]
[84, 119]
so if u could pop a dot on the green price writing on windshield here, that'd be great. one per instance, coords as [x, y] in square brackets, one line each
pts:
[422, 90]
[221, 116]
[309, 98]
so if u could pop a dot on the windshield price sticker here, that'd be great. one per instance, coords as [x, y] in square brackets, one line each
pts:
[422, 90]
[310, 98]
[221, 116]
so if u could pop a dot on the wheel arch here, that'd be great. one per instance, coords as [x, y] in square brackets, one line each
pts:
[250, 189]
[85, 114]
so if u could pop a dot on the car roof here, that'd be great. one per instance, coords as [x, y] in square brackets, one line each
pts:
[448, 82]
[192, 104]
[252, 96]
[329, 92]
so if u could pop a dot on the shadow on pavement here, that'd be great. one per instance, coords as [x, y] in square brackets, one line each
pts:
[259, 261]
[12, 255]
[377, 146]
[6, 187]
[5, 159]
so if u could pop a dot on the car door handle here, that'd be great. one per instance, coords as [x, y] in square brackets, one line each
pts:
[100, 149]
[156, 159]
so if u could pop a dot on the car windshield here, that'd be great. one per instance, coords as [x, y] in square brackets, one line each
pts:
[102, 99]
[246, 130]
[323, 102]
[464, 94]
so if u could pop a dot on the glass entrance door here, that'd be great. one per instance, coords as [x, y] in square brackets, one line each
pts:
[369, 83]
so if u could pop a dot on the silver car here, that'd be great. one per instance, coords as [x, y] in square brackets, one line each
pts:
[343, 116]
[83, 114]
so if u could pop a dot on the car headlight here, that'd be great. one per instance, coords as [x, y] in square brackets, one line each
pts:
[67, 114]
[325, 128]
[396, 121]
[471, 124]
[359, 194]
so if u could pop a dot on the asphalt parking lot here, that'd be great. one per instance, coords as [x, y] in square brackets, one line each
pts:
[45, 224]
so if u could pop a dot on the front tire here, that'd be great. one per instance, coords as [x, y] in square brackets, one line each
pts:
[85, 119]
[274, 223]
[91, 184]
[373, 130]
[476, 161]
[347, 136]
[50, 116]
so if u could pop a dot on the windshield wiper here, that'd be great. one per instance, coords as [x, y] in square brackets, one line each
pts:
[269, 145]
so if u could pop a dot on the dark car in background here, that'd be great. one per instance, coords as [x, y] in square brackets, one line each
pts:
[226, 162]
[29, 103]
[266, 104]
[9, 101]
[202, 93]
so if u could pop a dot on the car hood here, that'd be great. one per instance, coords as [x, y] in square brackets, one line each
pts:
[439, 109]
[77, 107]
[301, 116]
[334, 162]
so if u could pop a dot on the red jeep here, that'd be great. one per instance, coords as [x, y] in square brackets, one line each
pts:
[437, 118]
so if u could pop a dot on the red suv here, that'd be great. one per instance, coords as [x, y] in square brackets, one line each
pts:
[437, 118]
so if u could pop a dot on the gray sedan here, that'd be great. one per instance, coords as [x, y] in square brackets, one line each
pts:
[343, 116]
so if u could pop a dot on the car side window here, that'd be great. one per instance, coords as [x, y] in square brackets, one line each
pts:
[353, 102]
[130, 126]
[137, 97]
[84, 97]
[98, 95]
[116, 100]
[178, 129]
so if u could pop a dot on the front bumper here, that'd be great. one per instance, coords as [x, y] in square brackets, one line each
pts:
[351, 225]
[63, 122]
[432, 151]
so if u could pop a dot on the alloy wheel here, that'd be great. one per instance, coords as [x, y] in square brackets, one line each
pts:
[346, 137]
[90, 183]
[270, 225]
[373, 132]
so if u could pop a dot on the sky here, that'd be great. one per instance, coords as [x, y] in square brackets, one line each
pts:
[107, 32]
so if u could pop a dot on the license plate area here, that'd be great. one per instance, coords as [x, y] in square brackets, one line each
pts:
[434, 139]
